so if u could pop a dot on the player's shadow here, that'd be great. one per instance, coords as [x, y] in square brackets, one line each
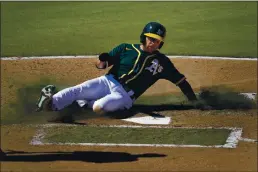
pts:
[86, 156]
[151, 110]
[161, 107]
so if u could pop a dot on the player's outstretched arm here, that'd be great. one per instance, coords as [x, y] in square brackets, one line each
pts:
[189, 93]
[187, 90]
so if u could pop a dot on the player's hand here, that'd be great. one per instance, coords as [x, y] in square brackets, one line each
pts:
[102, 65]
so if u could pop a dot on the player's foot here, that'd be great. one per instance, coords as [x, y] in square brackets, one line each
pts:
[45, 99]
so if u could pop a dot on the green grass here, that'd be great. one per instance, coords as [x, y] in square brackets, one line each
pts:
[82, 134]
[78, 28]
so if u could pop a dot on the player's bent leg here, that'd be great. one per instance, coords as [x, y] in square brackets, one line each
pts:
[112, 102]
[89, 90]
[98, 109]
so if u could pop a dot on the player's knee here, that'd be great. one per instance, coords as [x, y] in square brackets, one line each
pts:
[98, 109]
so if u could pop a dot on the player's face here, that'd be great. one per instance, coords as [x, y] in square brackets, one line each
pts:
[152, 44]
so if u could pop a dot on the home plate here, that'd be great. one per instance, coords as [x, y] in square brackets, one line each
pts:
[149, 120]
[249, 95]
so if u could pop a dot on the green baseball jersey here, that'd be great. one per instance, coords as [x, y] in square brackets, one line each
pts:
[139, 70]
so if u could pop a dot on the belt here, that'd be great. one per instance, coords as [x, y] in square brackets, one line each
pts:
[126, 88]
[129, 91]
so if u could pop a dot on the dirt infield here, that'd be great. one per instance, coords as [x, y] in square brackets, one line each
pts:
[21, 156]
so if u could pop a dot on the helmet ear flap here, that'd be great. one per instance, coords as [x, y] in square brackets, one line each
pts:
[142, 38]
[161, 44]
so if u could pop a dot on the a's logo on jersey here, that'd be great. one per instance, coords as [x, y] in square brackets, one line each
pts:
[155, 67]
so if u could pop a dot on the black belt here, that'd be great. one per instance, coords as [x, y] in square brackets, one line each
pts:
[128, 90]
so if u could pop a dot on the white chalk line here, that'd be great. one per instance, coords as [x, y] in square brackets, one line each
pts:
[231, 141]
[130, 126]
[248, 140]
[95, 56]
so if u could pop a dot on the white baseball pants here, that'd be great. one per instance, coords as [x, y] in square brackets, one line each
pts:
[104, 92]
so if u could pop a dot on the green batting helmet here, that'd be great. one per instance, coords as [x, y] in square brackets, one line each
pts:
[154, 30]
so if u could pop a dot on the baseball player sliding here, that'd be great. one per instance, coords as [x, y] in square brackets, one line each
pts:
[135, 68]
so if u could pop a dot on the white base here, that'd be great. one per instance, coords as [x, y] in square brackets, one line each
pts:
[249, 95]
[149, 120]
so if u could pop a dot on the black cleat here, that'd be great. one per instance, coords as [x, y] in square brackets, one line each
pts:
[45, 98]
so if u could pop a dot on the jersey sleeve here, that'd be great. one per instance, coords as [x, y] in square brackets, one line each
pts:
[171, 73]
[117, 50]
